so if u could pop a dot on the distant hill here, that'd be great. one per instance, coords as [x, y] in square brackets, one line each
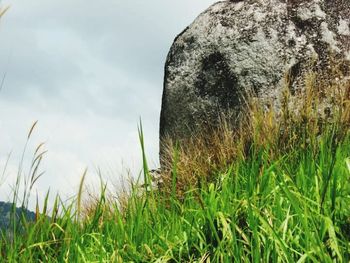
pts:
[5, 214]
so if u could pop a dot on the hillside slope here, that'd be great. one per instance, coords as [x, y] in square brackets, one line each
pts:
[5, 214]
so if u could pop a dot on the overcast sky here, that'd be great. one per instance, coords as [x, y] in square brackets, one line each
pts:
[87, 71]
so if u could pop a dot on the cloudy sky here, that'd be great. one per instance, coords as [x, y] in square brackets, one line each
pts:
[87, 71]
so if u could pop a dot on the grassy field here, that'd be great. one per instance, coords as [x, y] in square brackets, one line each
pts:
[268, 191]
[275, 189]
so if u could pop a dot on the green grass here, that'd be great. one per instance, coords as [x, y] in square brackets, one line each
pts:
[262, 207]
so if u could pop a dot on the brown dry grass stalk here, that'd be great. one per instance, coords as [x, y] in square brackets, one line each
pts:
[3, 10]
[112, 199]
[200, 156]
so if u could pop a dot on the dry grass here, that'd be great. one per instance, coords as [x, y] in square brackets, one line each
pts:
[3, 10]
[298, 122]
[108, 200]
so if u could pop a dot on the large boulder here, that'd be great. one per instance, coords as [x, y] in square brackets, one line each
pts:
[240, 47]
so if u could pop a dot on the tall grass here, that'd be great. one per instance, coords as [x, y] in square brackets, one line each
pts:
[275, 189]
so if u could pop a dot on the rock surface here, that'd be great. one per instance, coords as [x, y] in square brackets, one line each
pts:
[235, 47]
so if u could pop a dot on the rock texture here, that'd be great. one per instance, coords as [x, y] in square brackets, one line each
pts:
[235, 47]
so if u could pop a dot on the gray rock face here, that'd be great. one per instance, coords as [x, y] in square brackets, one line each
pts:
[235, 47]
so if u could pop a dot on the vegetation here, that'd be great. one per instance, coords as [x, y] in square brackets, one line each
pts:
[3, 11]
[276, 189]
